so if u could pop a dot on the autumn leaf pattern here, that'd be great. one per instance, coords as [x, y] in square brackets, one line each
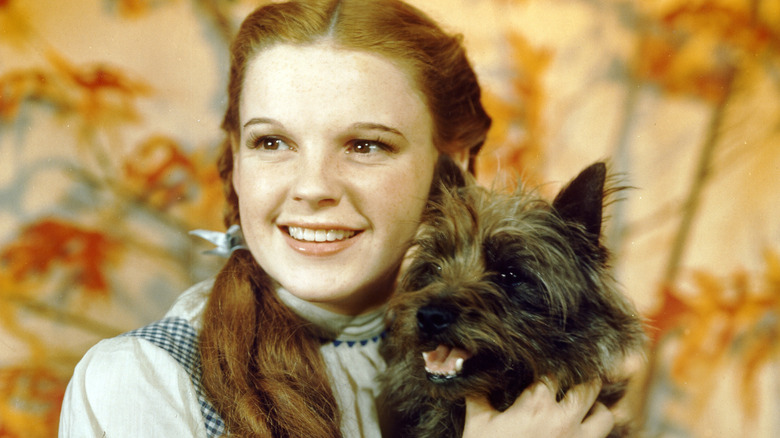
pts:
[30, 399]
[56, 266]
[717, 320]
[51, 244]
[693, 48]
[516, 139]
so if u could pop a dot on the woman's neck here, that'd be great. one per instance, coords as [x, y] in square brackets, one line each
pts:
[334, 325]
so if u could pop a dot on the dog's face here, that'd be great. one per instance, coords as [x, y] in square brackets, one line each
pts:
[503, 289]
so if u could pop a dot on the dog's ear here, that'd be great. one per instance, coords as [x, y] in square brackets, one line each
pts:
[582, 200]
[447, 176]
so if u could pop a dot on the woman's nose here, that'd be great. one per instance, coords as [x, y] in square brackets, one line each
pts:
[317, 181]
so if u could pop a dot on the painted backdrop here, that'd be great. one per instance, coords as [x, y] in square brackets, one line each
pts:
[109, 115]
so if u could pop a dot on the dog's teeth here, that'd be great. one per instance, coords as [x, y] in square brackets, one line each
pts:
[425, 356]
[458, 365]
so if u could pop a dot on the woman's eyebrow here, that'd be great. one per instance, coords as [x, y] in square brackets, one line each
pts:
[366, 126]
[378, 127]
[262, 121]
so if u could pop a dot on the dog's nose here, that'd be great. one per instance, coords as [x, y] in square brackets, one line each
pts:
[433, 319]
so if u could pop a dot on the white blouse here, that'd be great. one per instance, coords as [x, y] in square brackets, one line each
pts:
[146, 382]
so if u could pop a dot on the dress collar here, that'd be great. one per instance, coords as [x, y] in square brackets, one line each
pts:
[335, 326]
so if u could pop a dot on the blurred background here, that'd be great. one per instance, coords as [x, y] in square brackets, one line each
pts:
[109, 116]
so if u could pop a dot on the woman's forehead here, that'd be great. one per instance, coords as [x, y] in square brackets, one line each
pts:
[311, 82]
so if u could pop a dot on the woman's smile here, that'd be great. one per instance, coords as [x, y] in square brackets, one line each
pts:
[320, 242]
[319, 234]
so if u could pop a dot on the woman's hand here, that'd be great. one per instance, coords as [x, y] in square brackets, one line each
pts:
[536, 413]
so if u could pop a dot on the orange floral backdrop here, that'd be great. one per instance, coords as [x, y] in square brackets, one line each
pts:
[109, 114]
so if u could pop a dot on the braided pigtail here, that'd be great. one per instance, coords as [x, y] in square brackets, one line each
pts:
[282, 390]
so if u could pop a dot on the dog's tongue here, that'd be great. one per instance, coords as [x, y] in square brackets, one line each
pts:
[445, 360]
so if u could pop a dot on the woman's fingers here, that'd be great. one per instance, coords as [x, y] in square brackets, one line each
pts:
[580, 398]
[537, 413]
[599, 422]
[595, 419]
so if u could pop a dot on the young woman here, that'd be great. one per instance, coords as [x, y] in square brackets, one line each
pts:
[337, 113]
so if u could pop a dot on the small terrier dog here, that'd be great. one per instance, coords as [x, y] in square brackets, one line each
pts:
[502, 290]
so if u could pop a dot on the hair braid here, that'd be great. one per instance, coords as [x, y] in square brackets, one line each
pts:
[273, 382]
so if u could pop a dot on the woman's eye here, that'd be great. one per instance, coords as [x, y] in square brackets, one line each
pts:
[368, 147]
[268, 144]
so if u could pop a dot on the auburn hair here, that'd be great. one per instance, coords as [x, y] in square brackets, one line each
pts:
[262, 369]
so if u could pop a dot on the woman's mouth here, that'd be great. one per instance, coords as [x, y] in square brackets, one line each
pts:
[319, 235]
[320, 242]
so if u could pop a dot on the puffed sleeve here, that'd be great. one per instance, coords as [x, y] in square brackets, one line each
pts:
[128, 387]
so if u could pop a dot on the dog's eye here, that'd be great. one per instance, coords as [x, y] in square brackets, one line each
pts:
[431, 269]
[434, 271]
[511, 278]
[523, 288]
[515, 280]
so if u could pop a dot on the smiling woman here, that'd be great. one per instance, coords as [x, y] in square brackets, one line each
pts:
[338, 112]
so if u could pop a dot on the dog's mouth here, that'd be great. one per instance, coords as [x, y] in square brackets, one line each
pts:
[445, 362]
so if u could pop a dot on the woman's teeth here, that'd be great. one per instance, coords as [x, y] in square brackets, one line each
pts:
[309, 235]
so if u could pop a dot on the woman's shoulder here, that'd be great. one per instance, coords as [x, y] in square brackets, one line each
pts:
[191, 304]
[170, 344]
[149, 373]
[171, 340]
[162, 349]
[127, 385]
[119, 354]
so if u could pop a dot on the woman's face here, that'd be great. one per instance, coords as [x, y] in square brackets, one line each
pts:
[332, 170]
